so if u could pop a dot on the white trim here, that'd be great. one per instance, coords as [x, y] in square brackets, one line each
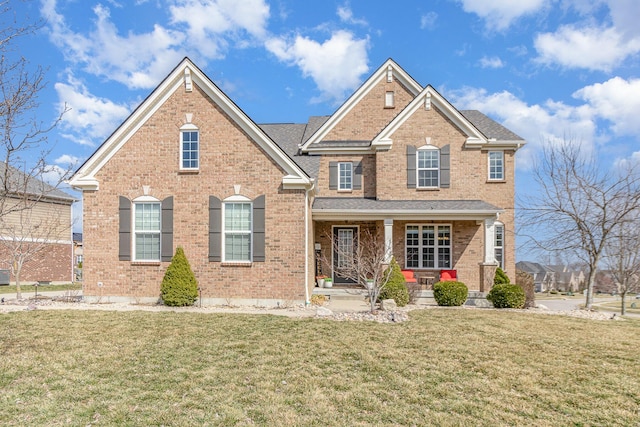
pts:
[357, 238]
[424, 149]
[146, 200]
[473, 134]
[378, 76]
[188, 128]
[142, 199]
[502, 166]
[350, 177]
[85, 177]
[402, 214]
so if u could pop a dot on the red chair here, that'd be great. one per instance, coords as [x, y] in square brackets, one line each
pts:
[448, 276]
[409, 276]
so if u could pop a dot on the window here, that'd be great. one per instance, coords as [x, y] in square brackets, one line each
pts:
[345, 177]
[498, 246]
[428, 167]
[389, 99]
[189, 153]
[496, 165]
[428, 246]
[237, 231]
[146, 229]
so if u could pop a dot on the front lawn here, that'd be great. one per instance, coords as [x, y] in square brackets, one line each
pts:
[443, 367]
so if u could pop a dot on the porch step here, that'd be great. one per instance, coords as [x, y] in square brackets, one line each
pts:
[422, 297]
[341, 293]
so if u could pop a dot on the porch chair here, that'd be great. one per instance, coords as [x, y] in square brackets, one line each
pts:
[448, 276]
[409, 276]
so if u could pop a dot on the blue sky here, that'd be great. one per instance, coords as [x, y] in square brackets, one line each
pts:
[547, 69]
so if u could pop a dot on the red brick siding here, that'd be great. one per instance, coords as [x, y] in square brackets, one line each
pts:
[52, 263]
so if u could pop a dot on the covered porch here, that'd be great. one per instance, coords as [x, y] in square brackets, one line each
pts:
[424, 236]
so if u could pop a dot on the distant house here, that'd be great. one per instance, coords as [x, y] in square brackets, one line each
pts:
[35, 227]
[256, 206]
[568, 278]
[544, 279]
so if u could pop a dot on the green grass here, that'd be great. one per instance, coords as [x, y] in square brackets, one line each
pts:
[615, 305]
[11, 289]
[444, 367]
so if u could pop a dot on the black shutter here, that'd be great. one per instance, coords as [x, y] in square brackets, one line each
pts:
[411, 166]
[357, 176]
[333, 175]
[445, 172]
[215, 229]
[258, 230]
[166, 250]
[124, 231]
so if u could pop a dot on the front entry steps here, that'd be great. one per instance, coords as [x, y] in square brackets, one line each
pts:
[423, 297]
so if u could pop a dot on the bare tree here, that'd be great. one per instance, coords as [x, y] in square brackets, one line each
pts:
[622, 257]
[33, 227]
[365, 263]
[578, 205]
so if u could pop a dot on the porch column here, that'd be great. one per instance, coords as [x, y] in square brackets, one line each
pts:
[489, 241]
[388, 239]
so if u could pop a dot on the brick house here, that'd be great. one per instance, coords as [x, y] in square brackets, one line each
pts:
[35, 228]
[252, 205]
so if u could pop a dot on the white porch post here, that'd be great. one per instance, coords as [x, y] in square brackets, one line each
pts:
[388, 239]
[489, 241]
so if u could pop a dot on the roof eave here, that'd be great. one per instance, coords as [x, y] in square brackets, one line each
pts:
[404, 214]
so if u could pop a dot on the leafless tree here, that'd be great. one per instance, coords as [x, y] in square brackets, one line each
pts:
[622, 257]
[23, 137]
[578, 206]
[366, 263]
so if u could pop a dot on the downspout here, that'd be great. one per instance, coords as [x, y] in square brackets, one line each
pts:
[307, 301]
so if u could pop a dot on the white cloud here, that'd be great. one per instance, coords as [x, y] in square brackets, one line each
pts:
[67, 159]
[500, 14]
[335, 65]
[346, 15]
[90, 118]
[491, 62]
[140, 61]
[594, 48]
[428, 21]
[537, 124]
[616, 100]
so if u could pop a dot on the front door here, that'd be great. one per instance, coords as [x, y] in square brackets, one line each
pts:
[344, 247]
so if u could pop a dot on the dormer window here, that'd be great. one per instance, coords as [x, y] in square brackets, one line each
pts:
[189, 147]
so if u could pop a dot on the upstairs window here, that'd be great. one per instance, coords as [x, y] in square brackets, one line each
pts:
[428, 167]
[345, 176]
[189, 148]
[496, 165]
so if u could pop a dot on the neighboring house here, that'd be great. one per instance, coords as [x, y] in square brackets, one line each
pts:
[568, 278]
[77, 256]
[35, 229]
[254, 205]
[544, 279]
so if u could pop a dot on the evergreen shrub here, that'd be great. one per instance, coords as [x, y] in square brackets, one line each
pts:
[179, 287]
[396, 288]
[506, 296]
[450, 294]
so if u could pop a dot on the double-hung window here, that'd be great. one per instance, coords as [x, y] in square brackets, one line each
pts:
[189, 148]
[498, 245]
[428, 167]
[428, 246]
[345, 176]
[237, 231]
[496, 165]
[146, 229]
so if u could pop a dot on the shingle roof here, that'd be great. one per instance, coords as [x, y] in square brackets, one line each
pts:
[288, 136]
[20, 183]
[489, 127]
[361, 206]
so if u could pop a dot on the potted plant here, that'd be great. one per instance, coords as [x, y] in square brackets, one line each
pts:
[320, 280]
[328, 282]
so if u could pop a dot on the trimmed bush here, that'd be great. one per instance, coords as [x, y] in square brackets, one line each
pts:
[500, 277]
[179, 287]
[396, 288]
[506, 296]
[450, 294]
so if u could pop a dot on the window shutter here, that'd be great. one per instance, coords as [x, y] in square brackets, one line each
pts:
[124, 231]
[215, 229]
[411, 166]
[258, 230]
[445, 174]
[333, 175]
[166, 239]
[357, 176]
